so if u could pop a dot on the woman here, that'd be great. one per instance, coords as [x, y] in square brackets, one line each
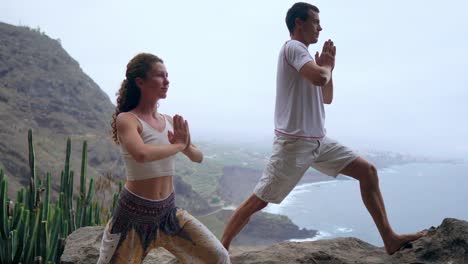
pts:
[145, 216]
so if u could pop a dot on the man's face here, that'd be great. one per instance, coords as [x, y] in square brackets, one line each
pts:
[311, 28]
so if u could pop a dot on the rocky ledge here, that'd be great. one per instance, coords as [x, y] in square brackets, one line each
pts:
[447, 243]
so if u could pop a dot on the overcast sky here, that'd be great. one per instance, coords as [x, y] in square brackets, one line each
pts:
[401, 75]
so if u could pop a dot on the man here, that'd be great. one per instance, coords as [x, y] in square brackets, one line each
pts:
[303, 86]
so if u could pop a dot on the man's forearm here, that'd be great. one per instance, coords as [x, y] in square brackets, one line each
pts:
[327, 91]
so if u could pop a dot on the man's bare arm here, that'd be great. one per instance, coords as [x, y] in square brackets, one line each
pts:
[327, 56]
[317, 75]
[327, 92]
[320, 72]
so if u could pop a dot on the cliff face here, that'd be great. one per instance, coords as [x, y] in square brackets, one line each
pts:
[188, 199]
[447, 243]
[43, 88]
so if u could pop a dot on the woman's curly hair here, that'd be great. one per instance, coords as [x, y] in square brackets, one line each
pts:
[129, 94]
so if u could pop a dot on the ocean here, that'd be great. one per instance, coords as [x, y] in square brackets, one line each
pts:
[417, 196]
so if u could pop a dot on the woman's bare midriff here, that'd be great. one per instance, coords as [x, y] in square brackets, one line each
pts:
[154, 188]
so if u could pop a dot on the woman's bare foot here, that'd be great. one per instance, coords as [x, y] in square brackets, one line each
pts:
[398, 241]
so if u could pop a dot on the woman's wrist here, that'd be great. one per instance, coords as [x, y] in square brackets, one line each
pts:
[180, 146]
[186, 147]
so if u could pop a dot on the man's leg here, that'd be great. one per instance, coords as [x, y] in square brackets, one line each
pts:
[241, 217]
[290, 158]
[368, 179]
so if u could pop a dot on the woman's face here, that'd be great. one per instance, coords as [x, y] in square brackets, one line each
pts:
[156, 82]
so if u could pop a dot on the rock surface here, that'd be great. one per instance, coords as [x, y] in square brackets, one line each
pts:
[447, 243]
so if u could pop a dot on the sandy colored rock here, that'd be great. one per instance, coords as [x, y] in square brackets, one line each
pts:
[447, 243]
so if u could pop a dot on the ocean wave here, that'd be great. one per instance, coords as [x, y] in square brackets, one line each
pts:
[320, 235]
[305, 188]
[301, 239]
[324, 235]
[229, 207]
[343, 230]
[297, 191]
[388, 171]
[307, 185]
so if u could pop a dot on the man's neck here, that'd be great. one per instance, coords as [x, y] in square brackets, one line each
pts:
[299, 38]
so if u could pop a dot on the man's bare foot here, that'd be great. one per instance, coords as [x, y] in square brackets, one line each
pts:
[400, 240]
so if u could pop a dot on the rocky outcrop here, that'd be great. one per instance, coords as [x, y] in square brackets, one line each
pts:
[188, 199]
[447, 243]
[263, 228]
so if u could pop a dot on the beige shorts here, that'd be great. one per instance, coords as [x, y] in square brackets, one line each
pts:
[292, 157]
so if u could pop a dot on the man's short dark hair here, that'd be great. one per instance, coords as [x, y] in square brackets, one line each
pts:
[298, 10]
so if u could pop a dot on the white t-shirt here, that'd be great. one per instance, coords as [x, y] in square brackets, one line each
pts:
[299, 110]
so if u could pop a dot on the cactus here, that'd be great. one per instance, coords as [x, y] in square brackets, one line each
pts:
[32, 167]
[47, 198]
[79, 211]
[31, 241]
[15, 246]
[84, 161]
[53, 236]
[69, 196]
[43, 239]
[3, 209]
[67, 157]
[32, 228]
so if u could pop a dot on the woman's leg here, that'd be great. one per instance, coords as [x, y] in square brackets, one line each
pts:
[203, 246]
[129, 251]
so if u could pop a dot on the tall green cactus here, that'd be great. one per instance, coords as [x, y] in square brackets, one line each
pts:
[31, 243]
[84, 162]
[3, 209]
[32, 168]
[32, 228]
[4, 253]
[47, 199]
[54, 235]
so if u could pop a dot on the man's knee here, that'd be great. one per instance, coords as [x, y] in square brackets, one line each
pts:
[371, 177]
[260, 204]
[256, 204]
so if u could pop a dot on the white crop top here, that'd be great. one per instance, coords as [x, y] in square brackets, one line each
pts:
[152, 169]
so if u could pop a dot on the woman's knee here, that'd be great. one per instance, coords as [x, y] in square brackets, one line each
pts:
[211, 252]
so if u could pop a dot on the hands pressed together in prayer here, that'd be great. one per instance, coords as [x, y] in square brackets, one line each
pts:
[181, 134]
[327, 57]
